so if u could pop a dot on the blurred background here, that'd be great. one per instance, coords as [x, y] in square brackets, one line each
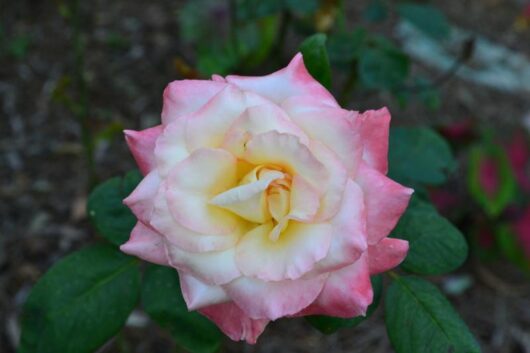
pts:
[74, 74]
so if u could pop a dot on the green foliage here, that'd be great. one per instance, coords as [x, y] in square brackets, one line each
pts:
[435, 245]
[419, 319]
[344, 47]
[376, 11]
[510, 247]
[81, 302]
[111, 218]
[328, 324]
[316, 58]
[506, 189]
[382, 65]
[426, 18]
[419, 155]
[162, 300]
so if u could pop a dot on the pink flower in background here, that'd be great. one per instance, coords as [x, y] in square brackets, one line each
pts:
[489, 178]
[267, 197]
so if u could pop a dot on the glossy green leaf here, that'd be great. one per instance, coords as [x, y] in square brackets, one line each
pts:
[435, 245]
[376, 11]
[343, 47]
[111, 218]
[81, 302]
[162, 300]
[426, 18]
[316, 58]
[383, 67]
[328, 324]
[301, 6]
[419, 155]
[505, 191]
[420, 319]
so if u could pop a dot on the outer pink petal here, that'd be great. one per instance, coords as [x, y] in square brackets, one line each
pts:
[214, 267]
[194, 182]
[291, 256]
[386, 254]
[141, 200]
[385, 202]
[294, 80]
[171, 146]
[272, 300]
[177, 235]
[374, 128]
[142, 146]
[328, 125]
[198, 294]
[234, 322]
[347, 292]
[187, 96]
[146, 244]
[349, 231]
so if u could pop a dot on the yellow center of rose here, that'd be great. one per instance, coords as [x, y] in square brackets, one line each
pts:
[262, 195]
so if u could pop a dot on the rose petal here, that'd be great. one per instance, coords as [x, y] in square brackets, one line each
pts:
[294, 80]
[346, 293]
[248, 200]
[349, 231]
[272, 300]
[146, 244]
[163, 221]
[234, 322]
[208, 126]
[292, 255]
[374, 127]
[257, 120]
[385, 201]
[334, 185]
[198, 294]
[141, 200]
[288, 152]
[142, 146]
[194, 182]
[386, 254]
[171, 146]
[329, 126]
[187, 96]
[304, 200]
[213, 267]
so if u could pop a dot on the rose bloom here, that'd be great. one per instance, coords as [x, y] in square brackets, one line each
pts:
[267, 197]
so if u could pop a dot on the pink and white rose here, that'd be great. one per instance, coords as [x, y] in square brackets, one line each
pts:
[267, 197]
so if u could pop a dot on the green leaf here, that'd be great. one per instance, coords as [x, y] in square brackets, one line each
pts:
[329, 324]
[81, 302]
[111, 218]
[162, 300]
[343, 47]
[435, 245]
[420, 319]
[493, 203]
[383, 67]
[376, 11]
[426, 18]
[247, 10]
[419, 155]
[301, 6]
[316, 58]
